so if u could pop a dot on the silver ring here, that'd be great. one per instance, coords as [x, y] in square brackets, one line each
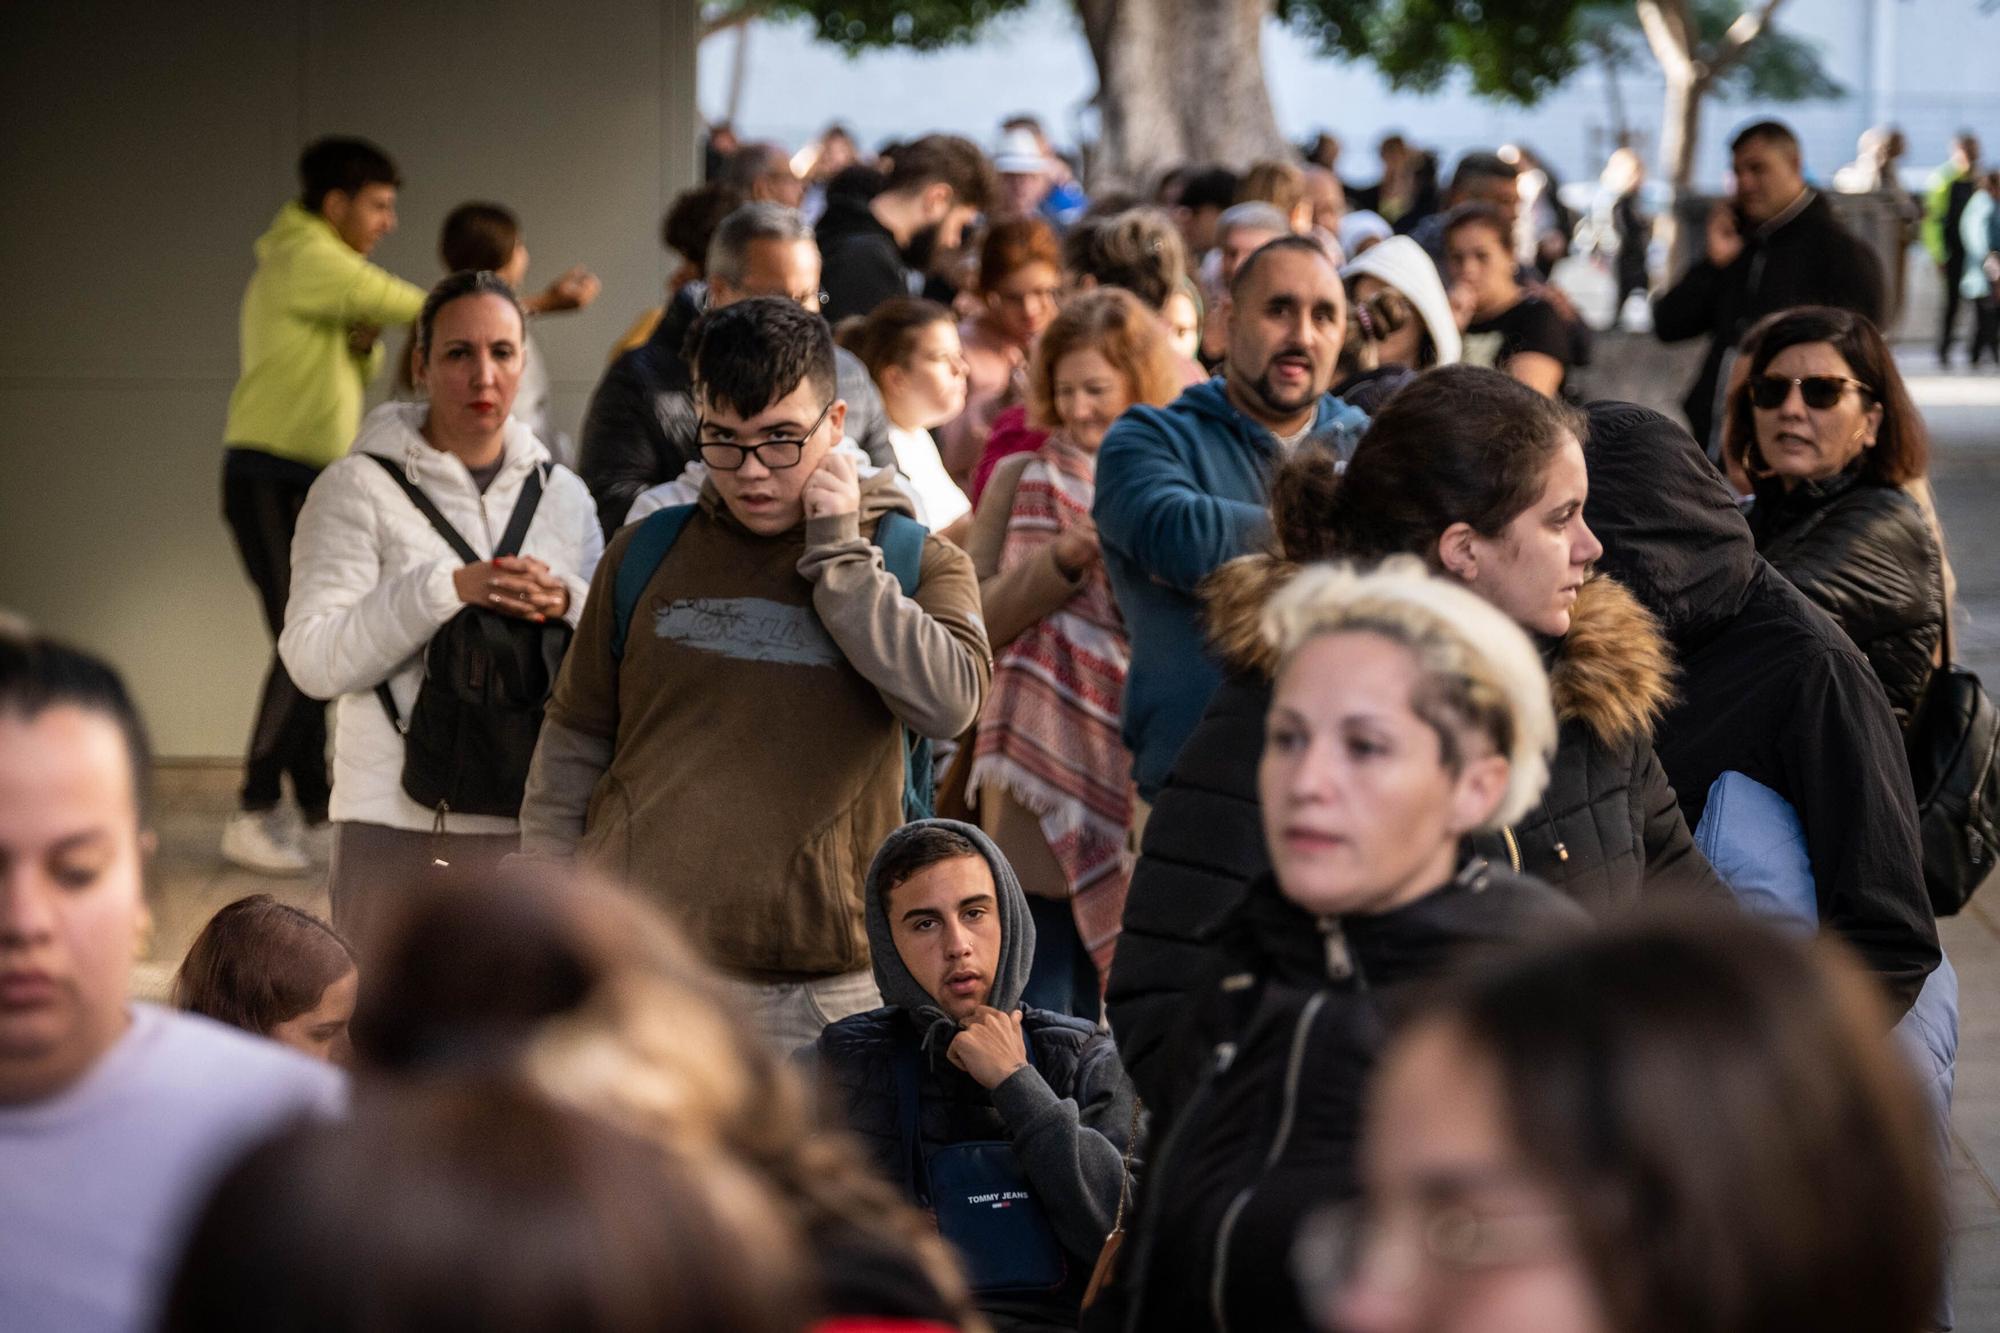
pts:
[493, 597]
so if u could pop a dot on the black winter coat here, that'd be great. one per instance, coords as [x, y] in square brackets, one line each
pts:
[1865, 554]
[1271, 1130]
[1769, 687]
[1805, 258]
[639, 429]
[857, 1059]
[1607, 832]
[860, 264]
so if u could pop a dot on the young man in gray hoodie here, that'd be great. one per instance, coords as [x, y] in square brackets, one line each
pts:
[1012, 1124]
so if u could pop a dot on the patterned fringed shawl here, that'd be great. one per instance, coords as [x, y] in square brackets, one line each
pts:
[1049, 734]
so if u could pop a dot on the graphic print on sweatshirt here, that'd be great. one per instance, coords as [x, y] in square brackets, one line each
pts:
[748, 629]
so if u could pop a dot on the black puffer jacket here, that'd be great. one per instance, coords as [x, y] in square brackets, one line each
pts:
[1769, 687]
[1068, 1117]
[1271, 1129]
[639, 429]
[1607, 832]
[1864, 553]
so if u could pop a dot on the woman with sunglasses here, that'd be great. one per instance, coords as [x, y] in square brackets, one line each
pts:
[1835, 453]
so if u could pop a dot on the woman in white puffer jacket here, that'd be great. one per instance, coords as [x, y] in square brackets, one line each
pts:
[373, 581]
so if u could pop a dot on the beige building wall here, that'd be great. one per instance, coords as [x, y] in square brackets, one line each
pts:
[143, 147]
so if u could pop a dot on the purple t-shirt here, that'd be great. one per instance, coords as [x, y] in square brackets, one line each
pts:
[99, 1183]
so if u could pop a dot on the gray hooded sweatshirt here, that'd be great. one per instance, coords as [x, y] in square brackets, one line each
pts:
[1068, 1114]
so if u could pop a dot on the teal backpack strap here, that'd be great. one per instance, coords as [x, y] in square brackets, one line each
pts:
[655, 536]
[901, 539]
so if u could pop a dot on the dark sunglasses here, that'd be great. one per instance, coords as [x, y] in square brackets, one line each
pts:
[1820, 391]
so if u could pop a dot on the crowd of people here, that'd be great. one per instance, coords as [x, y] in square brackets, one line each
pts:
[1135, 763]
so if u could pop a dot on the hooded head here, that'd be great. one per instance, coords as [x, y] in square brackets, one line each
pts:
[1672, 532]
[948, 925]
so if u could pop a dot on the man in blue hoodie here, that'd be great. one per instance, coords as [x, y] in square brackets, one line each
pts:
[1011, 1124]
[1182, 489]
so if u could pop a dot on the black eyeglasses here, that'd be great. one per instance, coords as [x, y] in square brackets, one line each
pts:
[1820, 391]
[777, 453]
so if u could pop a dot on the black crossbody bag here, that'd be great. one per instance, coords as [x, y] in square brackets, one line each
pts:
[487, 678]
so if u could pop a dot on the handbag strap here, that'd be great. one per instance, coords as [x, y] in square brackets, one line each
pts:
[524, 515]
[1125, 1165]
[430, 510]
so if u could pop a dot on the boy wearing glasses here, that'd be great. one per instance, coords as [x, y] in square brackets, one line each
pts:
[737, 747]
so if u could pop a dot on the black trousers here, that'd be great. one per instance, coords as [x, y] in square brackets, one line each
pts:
[261, 498]
[1949, 271]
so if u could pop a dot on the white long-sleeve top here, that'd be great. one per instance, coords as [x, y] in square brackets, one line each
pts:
[372, 582]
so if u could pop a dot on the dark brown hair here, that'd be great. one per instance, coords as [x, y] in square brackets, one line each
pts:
[479, 236]
[1112, 323]
[37, 674]
[1478, 215]
[1901, 452]
[1738, 1143]
[946, 158]
[259, 963]
[473, 1203]
[1457, 444]
[887, 336]
[1011, 246]
[691, 221]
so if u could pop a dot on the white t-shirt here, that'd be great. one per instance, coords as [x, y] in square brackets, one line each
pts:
[99, 1184]
[940, 502]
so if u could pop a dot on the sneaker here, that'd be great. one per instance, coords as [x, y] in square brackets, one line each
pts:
[264, 841]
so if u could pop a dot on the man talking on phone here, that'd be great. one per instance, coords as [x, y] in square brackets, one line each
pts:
[1774, 245]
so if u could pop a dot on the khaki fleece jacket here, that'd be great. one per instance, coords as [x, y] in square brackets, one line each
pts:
[745, 759]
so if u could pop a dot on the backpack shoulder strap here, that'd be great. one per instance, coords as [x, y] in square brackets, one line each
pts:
[429, 510]
[651, 540]
[523, 516]
[901, 539]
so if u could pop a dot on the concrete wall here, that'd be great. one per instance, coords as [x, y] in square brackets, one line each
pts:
[145, 146]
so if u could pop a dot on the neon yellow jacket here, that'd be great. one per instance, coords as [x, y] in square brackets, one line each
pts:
[299, 395]
[1937, 210]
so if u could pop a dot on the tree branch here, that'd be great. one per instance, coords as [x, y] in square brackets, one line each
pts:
[1665, 23]
[722, 20]
[1748, 27]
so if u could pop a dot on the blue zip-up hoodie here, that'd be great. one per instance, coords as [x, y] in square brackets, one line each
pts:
[1182, 490]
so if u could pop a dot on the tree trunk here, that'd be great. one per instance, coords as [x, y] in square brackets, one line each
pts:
[1179, 81]
[1680, 129]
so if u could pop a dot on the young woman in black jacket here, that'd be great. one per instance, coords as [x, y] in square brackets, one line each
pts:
[1482, 478]
[1406, 715]
[1832, 444]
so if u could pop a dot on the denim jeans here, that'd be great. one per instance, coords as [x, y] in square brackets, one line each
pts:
[790, 1014]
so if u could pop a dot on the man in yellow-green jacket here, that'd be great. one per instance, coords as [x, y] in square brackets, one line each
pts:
[310, 327]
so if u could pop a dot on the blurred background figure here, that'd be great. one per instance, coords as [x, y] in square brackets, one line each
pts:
[475, 1203]
[1019, 287]
[1979, 233]
[685, 231]
[762, 172]
[1951, 188]
[1677, 1127]
[1399, 322]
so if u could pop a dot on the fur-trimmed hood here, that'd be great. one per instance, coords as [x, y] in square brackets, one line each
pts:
[1613, 669]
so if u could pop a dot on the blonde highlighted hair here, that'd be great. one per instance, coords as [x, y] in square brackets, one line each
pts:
[1478, 674]
[1112, 323]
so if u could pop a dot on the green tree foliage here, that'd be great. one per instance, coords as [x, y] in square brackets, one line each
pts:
[1511, 50]
[860, 25]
